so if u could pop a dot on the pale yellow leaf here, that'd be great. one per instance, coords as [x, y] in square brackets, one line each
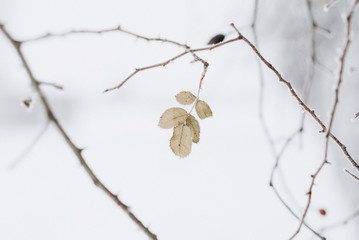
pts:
[193, 124]
[173, 117]
[185, 97]
[203, 110]
[181, 141]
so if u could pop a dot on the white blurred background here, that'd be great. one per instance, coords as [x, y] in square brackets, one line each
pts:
[220, 191]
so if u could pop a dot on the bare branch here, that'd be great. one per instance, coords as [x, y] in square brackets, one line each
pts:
[77, 151]
[59, 87]
[342, 222]
[294, 214]
[163, 64]
[299, 100]
[314, 176]
[311, 112]
[277, 156]
[109, 30]
[27, 150]
[351, 174]
[281, 79]
[272, 185]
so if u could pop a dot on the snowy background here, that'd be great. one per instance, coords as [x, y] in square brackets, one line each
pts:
[221, 191]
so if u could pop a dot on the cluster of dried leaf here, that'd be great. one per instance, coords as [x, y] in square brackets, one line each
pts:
[185, 126]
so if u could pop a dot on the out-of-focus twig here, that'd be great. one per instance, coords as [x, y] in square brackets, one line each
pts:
[325, 161]
[267, 134]
[76, 150]
[299, 100]
[271, 184]
[59, 87]
[32, 144]
[341, 223]
[351, 174]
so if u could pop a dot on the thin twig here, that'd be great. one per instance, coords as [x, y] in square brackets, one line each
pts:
[351, 174]
[342, 222]
[280, 154]
[76, 150]
[272, 185]
[109, 30]
[163, 64]
[277, 156]
[32, 144]
[281, 79]
[205, 67]
[51, 84]
[264, 125]
[299, 100]
[294, 214]
[314, 176]
[313, 59]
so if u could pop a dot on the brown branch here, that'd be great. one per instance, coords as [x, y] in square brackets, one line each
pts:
[116, 29]
[163, 64]
[137, 70]
[351, 174]
[51, 84]
[277, 156]
[344, 149]
[281, 79]
[300, 101]
[205, 67]
[272, 185]
[294, 214]
[76, 150]
[314, 176]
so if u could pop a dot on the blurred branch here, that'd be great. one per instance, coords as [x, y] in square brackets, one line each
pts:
[293, 213]
[116, 29]
[311, 112]
[299, 100]
[342, 222]
[313, 60]
[277, 156]
[342, 58]
[266, 131]
[351, 174]
[29, 147]
[77, 151]
[272, 185]
[59, 87]
[281, 79]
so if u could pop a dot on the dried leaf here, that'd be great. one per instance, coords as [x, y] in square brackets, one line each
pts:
[193, 124]
[185, 98]
[173, 117]
[181, 141]
[203, 110]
